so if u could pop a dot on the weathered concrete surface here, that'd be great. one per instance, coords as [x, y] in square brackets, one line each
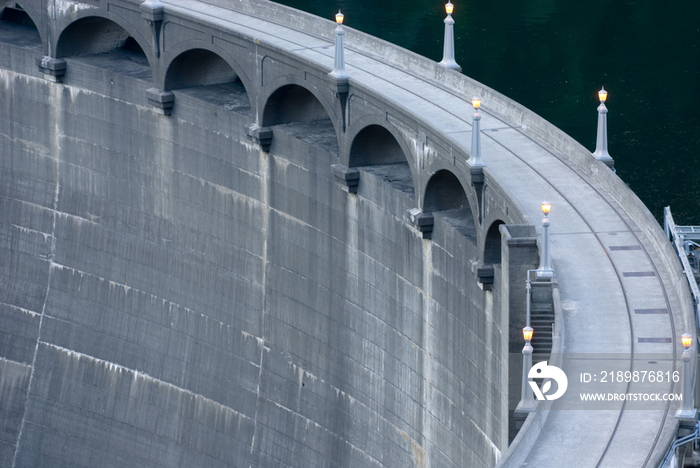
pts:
[182, 299]
[177, 297]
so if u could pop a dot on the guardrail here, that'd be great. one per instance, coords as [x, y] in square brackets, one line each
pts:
[671, 230]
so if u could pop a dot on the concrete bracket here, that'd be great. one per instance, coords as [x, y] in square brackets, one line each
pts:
[349, 178]
[52, 68]
[423, 222]
[262, 136]
[477, 173]
[152, 11]
[163, 101]
[342, 86]
[484, 273]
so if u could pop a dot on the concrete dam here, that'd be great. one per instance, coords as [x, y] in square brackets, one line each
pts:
[215, 253]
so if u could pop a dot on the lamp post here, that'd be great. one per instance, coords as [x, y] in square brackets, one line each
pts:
[339, 68]
[475, 158]
[687, 411]
[545, 269]
[448, 54]
[527, 403]
[601, 145]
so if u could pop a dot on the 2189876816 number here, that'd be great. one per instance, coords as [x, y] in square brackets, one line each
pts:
[639, 376]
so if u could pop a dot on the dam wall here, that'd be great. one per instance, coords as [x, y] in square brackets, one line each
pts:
[174, 295]
[215, 253]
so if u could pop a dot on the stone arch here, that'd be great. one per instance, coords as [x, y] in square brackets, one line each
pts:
[445, 197]
[374, 145]
[198, 67]
[444, 192]
[293, 103]
[377, 149]
[15, 12]
[208, 73]
[93, 34]
[305, 115]
[492, 243]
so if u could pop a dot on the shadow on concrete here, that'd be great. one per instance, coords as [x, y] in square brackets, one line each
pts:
[318, 133]
[17, 28]
[461, 221]
[229, 96]
[127, 61]
[397, 175]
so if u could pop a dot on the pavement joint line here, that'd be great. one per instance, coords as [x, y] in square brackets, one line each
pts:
[496, 129]
[311, 48]
[653, 340]
[579, 233]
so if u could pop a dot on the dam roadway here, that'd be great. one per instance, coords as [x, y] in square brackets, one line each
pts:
[619, 290]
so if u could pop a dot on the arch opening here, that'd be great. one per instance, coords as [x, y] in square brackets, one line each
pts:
[492, 245]
[293, 104]
[90, 36]
[102, 42]
[376, 149]
[295, 110]
[205, 75]
[17, 28]
[446, 198]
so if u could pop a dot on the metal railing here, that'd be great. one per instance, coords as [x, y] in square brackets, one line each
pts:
[684, 440]
[682, 236]
[678, 235]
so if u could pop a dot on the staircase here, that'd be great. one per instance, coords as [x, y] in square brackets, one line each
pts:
[542, 321]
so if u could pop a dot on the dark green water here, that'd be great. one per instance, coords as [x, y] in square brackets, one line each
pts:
[552, 56]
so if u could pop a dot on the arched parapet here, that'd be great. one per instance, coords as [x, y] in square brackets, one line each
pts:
[296, 102]
[365, 109]
[444, 191]
[181, 33]
[381, 149]
[277, 71]
[445, 195]
[490, 255]
[289, 98]
[24, 13]
[202, 63]
[440, 165]
[83, 29]
[210, 74]
[497, 206]
[198, 67]
[492, 243]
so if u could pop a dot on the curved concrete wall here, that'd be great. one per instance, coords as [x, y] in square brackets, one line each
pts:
[174, 296]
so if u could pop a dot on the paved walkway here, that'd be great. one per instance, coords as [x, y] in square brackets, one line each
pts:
[613, 296]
